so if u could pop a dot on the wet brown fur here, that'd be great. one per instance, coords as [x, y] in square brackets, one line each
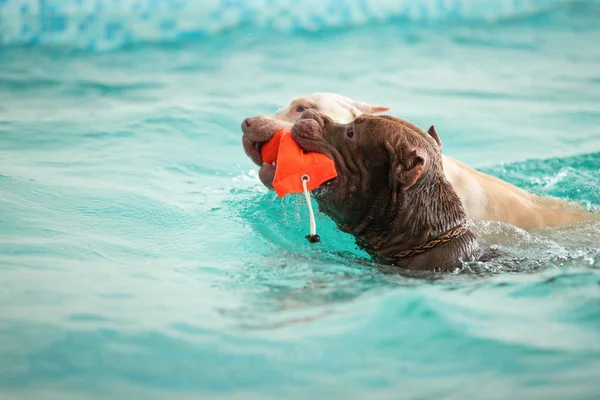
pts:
[391, 192]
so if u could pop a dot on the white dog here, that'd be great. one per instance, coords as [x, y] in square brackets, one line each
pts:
[484, 197]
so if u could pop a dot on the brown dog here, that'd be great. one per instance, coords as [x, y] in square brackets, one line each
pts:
[391, 192]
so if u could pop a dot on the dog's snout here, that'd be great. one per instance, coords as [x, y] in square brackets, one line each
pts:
[307, 128]
[310, 114]
[314, 115]
[247, 122]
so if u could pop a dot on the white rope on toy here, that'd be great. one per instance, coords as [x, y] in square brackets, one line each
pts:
[312, 237]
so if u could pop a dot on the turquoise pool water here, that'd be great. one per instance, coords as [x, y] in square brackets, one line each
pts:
[141, 258]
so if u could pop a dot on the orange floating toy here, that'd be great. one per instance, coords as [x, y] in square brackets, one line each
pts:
[293, 165]
[297, 171]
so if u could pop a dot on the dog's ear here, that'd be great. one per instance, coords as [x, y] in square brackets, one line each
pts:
[368, 108]
[407, 164]
[411, 168]
[433, 133]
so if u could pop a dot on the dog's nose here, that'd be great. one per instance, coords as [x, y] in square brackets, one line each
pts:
[247, 122]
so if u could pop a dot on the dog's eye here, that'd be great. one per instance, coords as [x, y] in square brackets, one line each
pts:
[300, 109]
[350, 132]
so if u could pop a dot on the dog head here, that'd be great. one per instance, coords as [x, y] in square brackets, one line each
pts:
[337, 107]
